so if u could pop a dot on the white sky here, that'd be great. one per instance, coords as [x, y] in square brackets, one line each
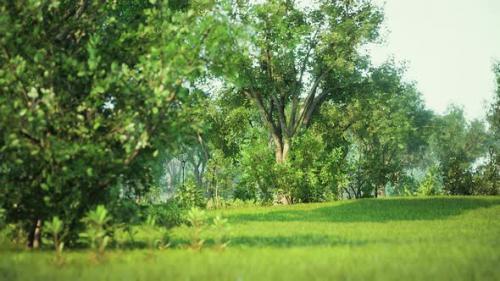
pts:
[449, 47]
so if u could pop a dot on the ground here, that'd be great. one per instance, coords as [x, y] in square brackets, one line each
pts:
[443, 238]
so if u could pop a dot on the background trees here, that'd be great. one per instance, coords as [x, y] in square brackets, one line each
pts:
[457, 145]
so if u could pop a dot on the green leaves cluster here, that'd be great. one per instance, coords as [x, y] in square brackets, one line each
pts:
[96, 229]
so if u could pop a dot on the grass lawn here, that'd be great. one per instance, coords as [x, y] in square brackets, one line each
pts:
[444, 238]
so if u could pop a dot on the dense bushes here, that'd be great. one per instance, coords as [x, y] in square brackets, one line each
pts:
[168, 214]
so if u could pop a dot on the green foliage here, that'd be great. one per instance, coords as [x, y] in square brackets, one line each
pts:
[5, 242]
[96, 229]
[317, 167]
[190, 195]
[156, 236]
[221, 228]
[256, 175]
[488, 177]
[219, 176]
[268, 69]
[287, 183]
[90, 91]
[385, 126]
[431, 185]
[167, 215]
[97, 95]
[3, 222]
[457, 144]
[124, 211]
[123, 235]
[234, 203]
[55, 228]
[196, 219]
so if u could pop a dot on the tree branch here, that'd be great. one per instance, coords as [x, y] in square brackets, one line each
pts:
[310, 102]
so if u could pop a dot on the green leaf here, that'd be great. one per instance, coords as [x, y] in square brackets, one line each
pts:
[33, 93]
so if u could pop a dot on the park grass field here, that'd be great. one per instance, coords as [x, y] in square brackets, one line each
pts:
[442, 238]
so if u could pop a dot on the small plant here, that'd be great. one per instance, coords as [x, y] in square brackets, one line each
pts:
[2, 218]
[96, 234]
[167, 214]
[189, 195]
[18, 236]
[55, 229]
[221, 229]
[156, 238]
[5, 231]
[123, 234]
[430, 185]
[196, 219]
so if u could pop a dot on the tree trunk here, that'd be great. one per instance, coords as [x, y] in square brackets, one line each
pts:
[34, 238]
[281, 150]
[216, 197]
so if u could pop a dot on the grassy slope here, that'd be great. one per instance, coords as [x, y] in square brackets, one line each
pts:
[385, 239]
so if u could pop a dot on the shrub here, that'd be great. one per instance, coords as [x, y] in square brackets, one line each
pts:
[168, 214]
[431, 183]
[221, 229]
[2, 218]
[233, 203]
[196, 219]
[219, 176]
[5, 231]
[123, 234]
[125, 211]
[55, 229]
[189, 195]
[156, 236]
[256, 177]
[95, 234]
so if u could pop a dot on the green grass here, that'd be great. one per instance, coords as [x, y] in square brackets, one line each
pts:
[384, 239]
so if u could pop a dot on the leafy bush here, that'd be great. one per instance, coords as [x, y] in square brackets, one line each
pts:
[219, 176]
[55, 228]
[431, 184]
[310, 174]
[189, 195]
[157, 237]
[221, 228]
[196, 219]
[314, 168]
[256, 176]
[288, 182]
[125, 211]
[123, 235]
[17, 236]
[233, 203]
[2, 218]
[96, 235]
[4, 231]
[168, 214]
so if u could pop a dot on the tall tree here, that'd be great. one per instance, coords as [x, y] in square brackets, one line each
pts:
[457, 144]
[296, 58]
[385, 128]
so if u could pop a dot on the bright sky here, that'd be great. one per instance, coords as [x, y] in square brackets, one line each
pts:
[449, 47]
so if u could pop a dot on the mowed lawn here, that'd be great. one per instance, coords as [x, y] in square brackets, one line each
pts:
[443, 238]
